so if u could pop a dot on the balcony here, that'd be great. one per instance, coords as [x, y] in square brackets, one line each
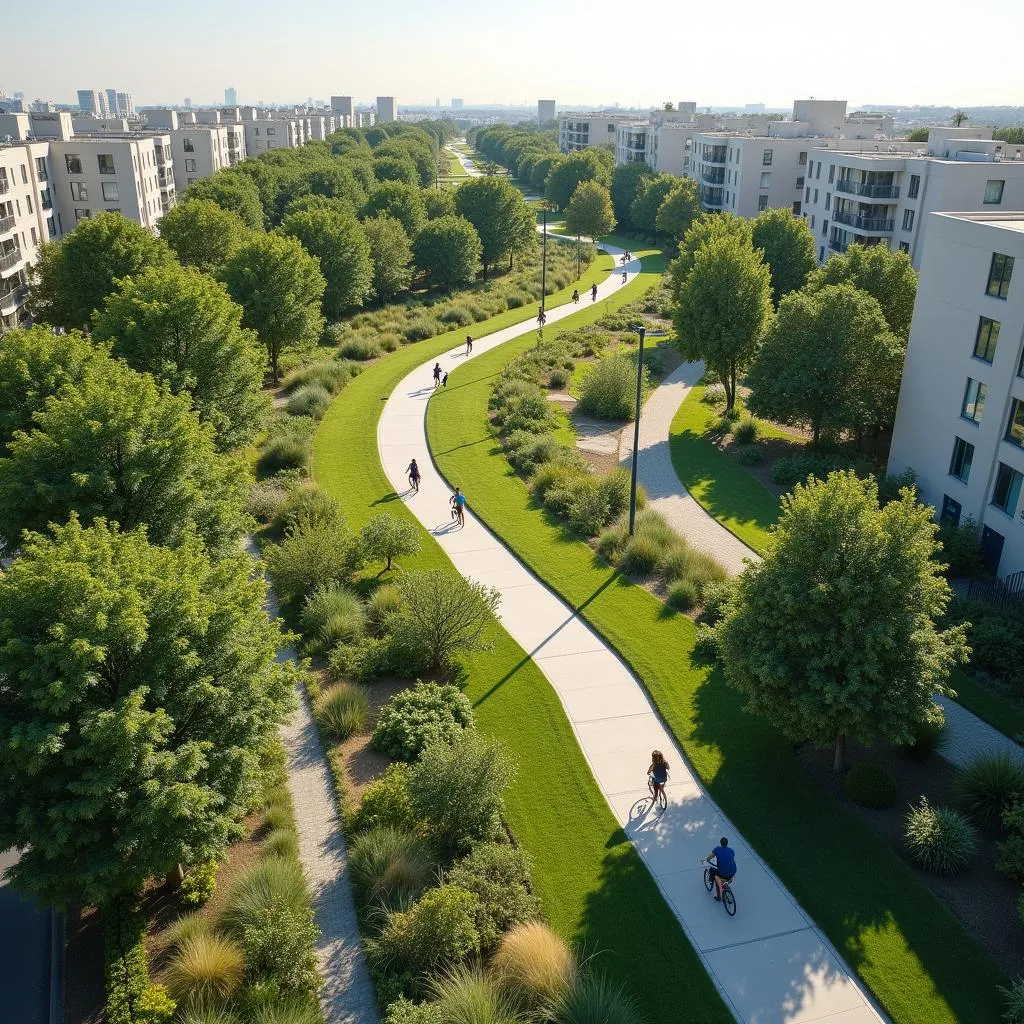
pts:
[873, 224]
[714, 155]
[837, 246]
[13, 300]
[712, 198]
[856, 188]
[7, 224]
[11, 261]
[4, 186]
[713, 176]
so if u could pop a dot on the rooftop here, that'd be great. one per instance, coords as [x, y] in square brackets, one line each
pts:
[1006, 221]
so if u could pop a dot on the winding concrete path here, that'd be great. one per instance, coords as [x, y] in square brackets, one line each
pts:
[770, 962]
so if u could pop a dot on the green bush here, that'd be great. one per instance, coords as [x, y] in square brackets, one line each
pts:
[390, 865]
[562, 490]
[281, 842]
[890, 485]
[527, 451]
[929, 737]
[385, 538]
[306, 505]
[268, 883]
[558, 378]
[750, 455]
[275, 1008]
[456, 315]
[205, 970]
[386, 802]
[612, 541]
[499, 874]
[332, 375]
[588, 511]
[791, 470]
[468, 995]
[996, 637]
[683, 595]
[1014, 996]
[551, 475]
[608, 391]
[420, 329]
[342, 709]
[287, 445]
[311, 400]
[1010, 859]
[131, 999]
[745, 432]
[714, 394]
[199, 883]
[516, 300]
[333, 614]
[705, 644]
[641, 554]
[715, 598]
[266, 498]
[360, 348]
[870, 785]
[530, 412]
[404, 1011]
[424, 713]
[939, 839]
[185, 927]
[279, 941]
[382, 606]
[310, 556]
[989, 786]
[961, 549]
[615, 490]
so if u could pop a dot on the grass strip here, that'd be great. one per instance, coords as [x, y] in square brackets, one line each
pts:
[594, 887]
[903, 942]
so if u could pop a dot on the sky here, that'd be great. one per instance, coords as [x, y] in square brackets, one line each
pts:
[580, 54]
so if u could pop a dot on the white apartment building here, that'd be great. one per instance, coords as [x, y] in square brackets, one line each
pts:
[881, 193]
[200, 147]
[960, 419]
[580, 131]
[387, 109]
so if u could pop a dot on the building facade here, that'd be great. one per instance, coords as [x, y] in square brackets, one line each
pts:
[545, 111]
[387, 109]
[580, 131]
[960, 419]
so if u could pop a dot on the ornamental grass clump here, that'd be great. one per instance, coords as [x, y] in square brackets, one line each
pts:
[989, 786]
[536, 966]
[391, 865]
[608, 391]
[206, 969]
[343, 709]
[597, 998]
[939, 839]
[333, 614]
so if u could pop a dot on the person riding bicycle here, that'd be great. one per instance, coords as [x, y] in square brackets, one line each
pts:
[724, 867]
[413, 473]
[458, 503]
[658, 773]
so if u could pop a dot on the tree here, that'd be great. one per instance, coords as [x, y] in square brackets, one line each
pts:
[788, 247]
[182, 327]
[828, 362]
[337, 240]
[541, 170]
[439, 202]
[279, 286]
[706, 228]
[74, 276]
[650, 194]
[678, 210]
[918, 135]
[723, 308]
[626, 179]
[385, 538]
[333, 179]
[494, 207]
[569, 172]
[833, 634]
[202, 234]
[35, 364]
[401, 201]
[390, 256]
[231, 190]
[590, 211]
[117, 447]
[959, 117]
[885, 273]
[446, 615]
[447, 250]
[141, 689]
[391, 168]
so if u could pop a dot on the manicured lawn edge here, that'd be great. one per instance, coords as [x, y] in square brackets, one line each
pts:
[593, 885]
[907, 947]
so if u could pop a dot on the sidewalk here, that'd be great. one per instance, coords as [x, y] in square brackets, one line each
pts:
[770, 962]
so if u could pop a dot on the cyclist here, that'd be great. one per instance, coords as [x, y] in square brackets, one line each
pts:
[724, 868]
[414, 475]
[458, 504]
[658, 773]
[593, 293]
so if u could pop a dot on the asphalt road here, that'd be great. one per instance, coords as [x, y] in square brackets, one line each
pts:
[24, 955]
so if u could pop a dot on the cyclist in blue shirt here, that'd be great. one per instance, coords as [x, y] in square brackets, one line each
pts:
[724, 868]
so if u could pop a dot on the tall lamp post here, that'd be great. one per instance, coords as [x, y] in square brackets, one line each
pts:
[544, 257]
[641, 330]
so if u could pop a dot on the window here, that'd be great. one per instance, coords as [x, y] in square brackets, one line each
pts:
[815, 195]
[914, 186]
[802, 159]
[45, 199]
[824, 227]
[807, 194]
[110, 194]
[985, 342]
[994, 192]
[908, 220]
[51, 228]
[762, 203]
[1007, 489]
[189, 148]
[192, 181]
[81, 215]
[106, 162]
[113, 209]
[950, 515]
[766, 158]
[271, 131]
[35, 239]
[799, 183]
[828, 200]
[999, 274]
[73, 162]
[821, 253]
[190, 165]
[41, 172]
[831, 173]
[24, 175]
[974, 400]
[812, 221]
[960, 463]
[766, 179]
[1015, 426]
[905, 247]
[79, 192]
[28, 203]
[796, 209]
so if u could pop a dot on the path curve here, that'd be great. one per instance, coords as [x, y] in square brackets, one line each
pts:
[770, 962]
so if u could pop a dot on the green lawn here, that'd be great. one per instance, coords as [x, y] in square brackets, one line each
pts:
[909, 949]
[594, 887]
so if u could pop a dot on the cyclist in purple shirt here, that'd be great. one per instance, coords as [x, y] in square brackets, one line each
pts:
[724, 868]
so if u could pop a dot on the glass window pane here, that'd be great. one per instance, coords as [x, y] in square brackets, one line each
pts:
[988, 336]
[1015, 426]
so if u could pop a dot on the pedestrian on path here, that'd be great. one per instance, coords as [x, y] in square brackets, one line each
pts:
[414, 475]
[541, 316]
[576, 296]
[437, 374]
[469, 344]
[458, 504]
[593, 292]
[623, 276]
[444, 380]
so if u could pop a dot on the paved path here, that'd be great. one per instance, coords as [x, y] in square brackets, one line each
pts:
[347, 995]
[467, 165]
[770, 962]
[24, 954]
[968, 736]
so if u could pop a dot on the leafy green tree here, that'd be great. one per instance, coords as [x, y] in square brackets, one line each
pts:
[626, 179]
[333, 179]
[788, 247]
[74, 276]
[399, 200]
[494, 207]
[118, 447]
[590, 211]
[202, 234]
[828, 362]
[232, 190]
[447, 250]
[650, 194]
[706, 228]
[338, 241]
[918, 135]
[723, 308]
[541, 170]
[35, 364]
[391, 168]
[141, 689]
[678, 210]
[885, 273]
[279, 286]
[570, 172]
[834, 633]
[439, 202]
[385, 538]
[390, 256]
[182, 327]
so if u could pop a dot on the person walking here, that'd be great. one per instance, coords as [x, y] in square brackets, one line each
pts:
[469, 344]
[414, 475]
[541, 316]
[576, 296]
[458, 504]
[623, 276]
[437, 374]
[593, 292]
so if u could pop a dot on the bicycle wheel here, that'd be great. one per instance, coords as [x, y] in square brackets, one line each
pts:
[709, 882]
[729, 901]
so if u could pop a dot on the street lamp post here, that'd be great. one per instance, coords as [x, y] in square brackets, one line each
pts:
[641, 330]
[544, 258]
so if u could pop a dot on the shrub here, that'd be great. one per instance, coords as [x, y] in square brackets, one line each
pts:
[929, 737]
[615, 490]
[310, 556]
[424, 713]
[989, 786]
[996, 639]
[750, 455]
[420, 329]
[311, 400]
[890, 485]
[281, 842]
[939, 839]
[870, 785]
[205, 970]
[458, 789]
[611, 541]
[280, 1009]
[199, 883]
[390, 865]
[515, 300]
[536, 966]
[745, 432]
[267, 883]
[641, 554]
[382, 606]
[705, 644]
[588, 509]
[342, 709]
[266, 498]
[791, 470]
[130, 997]
[560, 495]
[608, 391]
[404, 1011]
[306, 505]
[499, 874]
[360, 348]
[530, 411]
[332, 375]
[386, 802]
[1014, 996]
[333, 614]
[715, 598]
[714, 394]
[466, 995]
[457, 315]
[683, 595]
[558, 378]
[279, 943]
[550, 476]
[527, 451]
[597, 998]
[386, 537]
[287, 446]
[1010, 859]
[961, 549]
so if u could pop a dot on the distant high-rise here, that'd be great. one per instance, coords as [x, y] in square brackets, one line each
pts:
[456, 103]
[545, 111]
[231, 96]
[112, 107]
[89, 101]
[188, 102]
[437, 102]
[342, 105]
[126, 104]
[387, 109]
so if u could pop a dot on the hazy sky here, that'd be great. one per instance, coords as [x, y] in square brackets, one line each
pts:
[597, 52]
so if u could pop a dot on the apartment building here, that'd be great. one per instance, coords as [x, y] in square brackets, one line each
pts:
[960, 419]
[597, 128]
[387, 109]
[882, 193]
[200, 144]
[545, 111]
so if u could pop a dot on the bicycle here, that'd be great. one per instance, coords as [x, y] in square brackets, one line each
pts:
[728, 899]
[658, 798]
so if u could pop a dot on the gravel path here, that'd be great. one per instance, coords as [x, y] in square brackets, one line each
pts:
[968, 737]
